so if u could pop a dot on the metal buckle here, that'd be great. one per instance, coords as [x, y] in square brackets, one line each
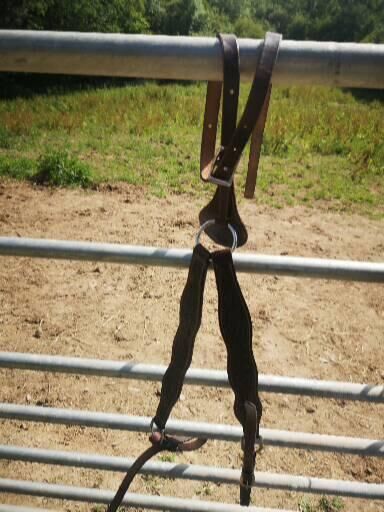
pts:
[220, 181]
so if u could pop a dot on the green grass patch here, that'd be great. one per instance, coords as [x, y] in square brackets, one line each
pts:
[322, 147]
[323, 504]
[59, 169]
[18, 168]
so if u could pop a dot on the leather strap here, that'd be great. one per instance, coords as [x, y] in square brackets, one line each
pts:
[191, 305]
[159, 443]
[223, 166]
[255, 149]
[133, 470]
[247, 477]
[236, 329]
[222, 208]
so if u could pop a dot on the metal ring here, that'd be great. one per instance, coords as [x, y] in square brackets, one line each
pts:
[209, 223]
[154, 428]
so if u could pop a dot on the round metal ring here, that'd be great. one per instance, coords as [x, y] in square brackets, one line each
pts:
[209, 223]
[154, 428]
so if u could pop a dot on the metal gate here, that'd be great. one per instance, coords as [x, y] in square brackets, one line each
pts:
[297, 62]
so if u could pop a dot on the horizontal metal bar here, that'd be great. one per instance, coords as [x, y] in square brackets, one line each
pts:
[17, 508]
[214, 378]
[271, 437]
[278, 481]
[139, 255]
[187, 58]
[85, 494]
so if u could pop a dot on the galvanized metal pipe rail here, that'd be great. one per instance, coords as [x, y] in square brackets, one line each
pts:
[278, 481]
[194, 376]
[155, 256]
[187, 58]
[84, 494]
[17, 508]
[271, 437]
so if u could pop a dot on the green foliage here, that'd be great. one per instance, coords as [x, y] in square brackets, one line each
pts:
[324, 504]
[336, 20]
[321, 147]
[82, 15]
[59, 169]
[5, 138]
[247, 27]
[18, 168]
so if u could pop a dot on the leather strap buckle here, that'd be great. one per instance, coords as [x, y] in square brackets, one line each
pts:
[221, 181]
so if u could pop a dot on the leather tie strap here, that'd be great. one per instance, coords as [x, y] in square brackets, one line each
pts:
[159, 443]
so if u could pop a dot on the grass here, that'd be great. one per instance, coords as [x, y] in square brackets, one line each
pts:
[59, 169]
[322, 147]
[324, 504]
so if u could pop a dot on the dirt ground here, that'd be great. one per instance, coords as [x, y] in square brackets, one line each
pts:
[302, 327]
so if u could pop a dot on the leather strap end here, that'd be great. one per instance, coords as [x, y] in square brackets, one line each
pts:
[245, 489]
[208, 139]
[255, 149]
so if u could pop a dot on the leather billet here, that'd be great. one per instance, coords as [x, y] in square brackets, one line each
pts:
[233, 313]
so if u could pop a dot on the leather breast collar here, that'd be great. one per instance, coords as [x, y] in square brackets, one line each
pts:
[221, 221]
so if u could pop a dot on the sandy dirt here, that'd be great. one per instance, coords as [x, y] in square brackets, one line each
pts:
[302, 327]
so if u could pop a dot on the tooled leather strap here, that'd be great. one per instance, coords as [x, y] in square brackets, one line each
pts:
[253, 120]
[191, 305]
[222, 208]
[236, 329]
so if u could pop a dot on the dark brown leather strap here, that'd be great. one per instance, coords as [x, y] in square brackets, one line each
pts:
[133, 470]
[222, 208]
[211, 119]
[255, 149]
[231, 87]
[191, 305]
[159, 443]
[222, 167]
[236, 329]
[247, 477]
